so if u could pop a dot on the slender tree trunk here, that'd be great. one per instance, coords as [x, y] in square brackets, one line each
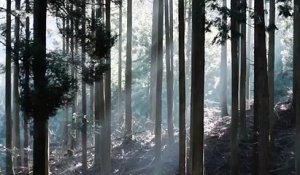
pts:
[120, 64]
[74, 110]
[107, 149]
[261, 90]
[224, 111]
[153, 59]
[158, 107]
[26, 89]
[92, 101]
[169, 76]
[40, 136]
[197, 88]
[9, 165]
[16, 99]
[271, 65]
[97, 127]
[296, 81]
[182, 132]
[68, 51]
[65, 120]
[92, 86]
[171, 79]
[188, 81]
[243, 68]
[83, 96]
[249, 55]
[128, 73]
[99, 106]
[99, 120]
[234, 167]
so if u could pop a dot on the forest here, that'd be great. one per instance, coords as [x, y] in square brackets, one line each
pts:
[150, 87]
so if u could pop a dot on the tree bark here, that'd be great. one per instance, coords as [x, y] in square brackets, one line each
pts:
[197, 88]
[234, 167]
[83, 96]
[107, 143]
[128, 73]
[40, 135]
[261, 90]
[9, 165]
[182, 129]
[99, 107]
[243, 68]
[296, 79]
[74, 110]
[271, 65]
[249, 56]
[16, 98]
[158, 96]
[153, 59]
[120, 113]
[169, 76]
[26, 90]
[224, 111]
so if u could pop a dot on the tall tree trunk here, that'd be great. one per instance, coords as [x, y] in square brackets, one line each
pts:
[107, 134]
[261, 90]
[65, 120]
[128, 73]
[99, 105]
[153, 59]
[9, 165]
[26, 90]
[92, 101]
[171, 79]
[99, 115]
[243, 68]
[16, 101]
[74, 110]
[83, 96]
[224, 111]
[169, 76]
[92, 86]
[188, 80]
[66, 110]
[271, 64]
[40, 135]
[249, 56]
[197, 88]
[296, 81]
[158, 96]
[234, 167]
[120, 113]
[182, 131]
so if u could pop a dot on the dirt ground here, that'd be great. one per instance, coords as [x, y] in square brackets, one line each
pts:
[136, 157]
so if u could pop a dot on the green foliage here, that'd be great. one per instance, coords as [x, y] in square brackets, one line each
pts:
[98, 47]
[220, 22]
[285, 8]
[61, 87]
[98, 40]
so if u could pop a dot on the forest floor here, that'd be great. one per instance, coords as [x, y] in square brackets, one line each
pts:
[217, 150]
[136, 157]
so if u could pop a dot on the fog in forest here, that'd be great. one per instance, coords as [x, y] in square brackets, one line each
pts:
[114, 100]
